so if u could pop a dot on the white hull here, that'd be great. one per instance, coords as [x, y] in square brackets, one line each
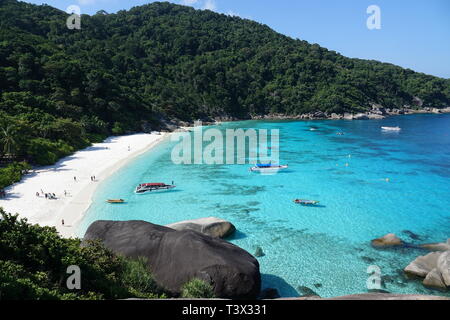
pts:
[391, 128]
[269, 169]
[155, 190]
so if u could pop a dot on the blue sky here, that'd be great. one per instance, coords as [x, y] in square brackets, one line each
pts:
[414, 33]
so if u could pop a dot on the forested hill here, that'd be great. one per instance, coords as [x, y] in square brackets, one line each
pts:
[61, 88]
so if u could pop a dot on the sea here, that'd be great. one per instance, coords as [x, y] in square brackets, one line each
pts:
[369, 182]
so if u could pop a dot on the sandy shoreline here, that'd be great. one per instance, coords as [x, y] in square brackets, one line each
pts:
[100, 160]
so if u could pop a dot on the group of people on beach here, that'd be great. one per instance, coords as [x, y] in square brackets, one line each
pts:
[50, 196]
[93, 178]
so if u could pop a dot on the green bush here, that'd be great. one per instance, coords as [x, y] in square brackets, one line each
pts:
[12, 173]
[117, 129]
[34, 260]
[197, 289]
[138, 279]
[46, 152]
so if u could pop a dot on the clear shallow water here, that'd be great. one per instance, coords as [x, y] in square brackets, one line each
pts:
[326, 248]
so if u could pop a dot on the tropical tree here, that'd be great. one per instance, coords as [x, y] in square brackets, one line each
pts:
[8, 140]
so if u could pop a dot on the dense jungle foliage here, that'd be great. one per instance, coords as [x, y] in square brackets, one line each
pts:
[62, 89]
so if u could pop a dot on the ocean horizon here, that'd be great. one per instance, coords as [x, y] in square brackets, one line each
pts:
[369, 183]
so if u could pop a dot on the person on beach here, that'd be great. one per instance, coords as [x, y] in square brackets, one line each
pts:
[62, 221]
[65, 193]
[37, 194]
[75, 179]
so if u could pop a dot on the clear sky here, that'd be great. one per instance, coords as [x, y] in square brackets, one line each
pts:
[414, 33]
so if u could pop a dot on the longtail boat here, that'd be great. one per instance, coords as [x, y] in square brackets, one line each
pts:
[267, 167]
[153, 187]
[116, 201]
[306, 202]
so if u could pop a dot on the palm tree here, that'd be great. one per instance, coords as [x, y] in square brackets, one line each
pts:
[7, 139]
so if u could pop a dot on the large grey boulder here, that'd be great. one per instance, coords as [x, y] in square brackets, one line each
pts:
[176, 257]
[434, 280]
[434, 267]
[443, 265]
[423, 265]
[214, 227]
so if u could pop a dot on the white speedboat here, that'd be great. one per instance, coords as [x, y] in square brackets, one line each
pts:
[267, 167]
[391, 128]
[153, 187]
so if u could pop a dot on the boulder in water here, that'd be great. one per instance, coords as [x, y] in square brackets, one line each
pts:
[443, 246]
[443, 265]
[259, 252]
[434, 267]
[214, 227]
[389, 240]
[176, 257]
[423, 265]
[434, 280]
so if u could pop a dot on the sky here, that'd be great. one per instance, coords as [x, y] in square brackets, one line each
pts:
[413, 34]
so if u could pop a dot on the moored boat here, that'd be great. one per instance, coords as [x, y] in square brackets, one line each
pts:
[153, 187]
[267, 167]
[391, 128]
[306, 202]
[114, 201]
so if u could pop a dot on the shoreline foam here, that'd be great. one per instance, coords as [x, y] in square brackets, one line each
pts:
[100, 160]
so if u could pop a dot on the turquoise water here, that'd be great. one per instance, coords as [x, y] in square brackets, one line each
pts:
[325, 248]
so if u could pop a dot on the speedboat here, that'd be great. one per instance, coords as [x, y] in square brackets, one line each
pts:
[267, 167]
[116, 201]
[306, 202]
[391, 128]
[153, 187]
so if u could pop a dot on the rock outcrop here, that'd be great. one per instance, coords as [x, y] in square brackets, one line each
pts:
[387, 241]
[444, 246]
[443, 265]
[423, 265]
[434, 279]
[434, 268]
[214, 227]
[176, 257]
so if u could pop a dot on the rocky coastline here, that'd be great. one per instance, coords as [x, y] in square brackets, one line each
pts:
[433, 269]
[194, 249]
[376, 113]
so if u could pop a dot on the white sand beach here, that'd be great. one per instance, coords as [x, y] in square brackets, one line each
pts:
[99, 160]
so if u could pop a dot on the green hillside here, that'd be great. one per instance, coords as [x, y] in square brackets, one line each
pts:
[62, 89]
